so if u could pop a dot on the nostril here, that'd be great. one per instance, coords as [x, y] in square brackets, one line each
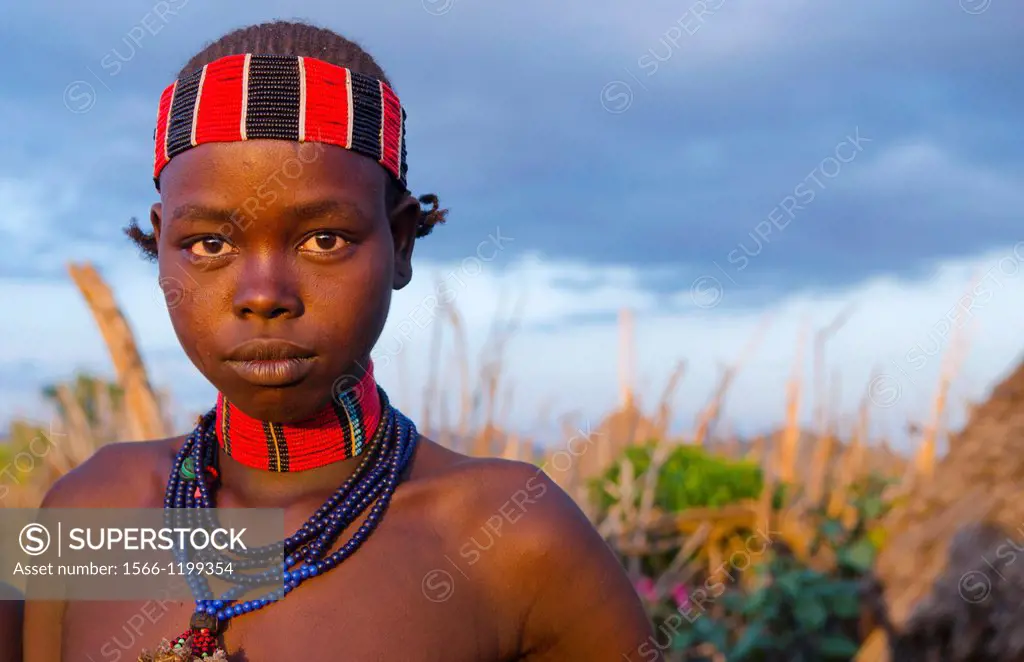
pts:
[268, 302]
[273, 314]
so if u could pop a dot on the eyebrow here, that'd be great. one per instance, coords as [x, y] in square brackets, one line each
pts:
[320, 208]
[298, 213]
[201, 211]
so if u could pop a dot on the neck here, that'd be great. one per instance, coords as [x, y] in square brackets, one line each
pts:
[244, 487]
[338, 432]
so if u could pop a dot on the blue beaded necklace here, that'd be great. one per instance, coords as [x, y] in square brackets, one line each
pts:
[190, 499]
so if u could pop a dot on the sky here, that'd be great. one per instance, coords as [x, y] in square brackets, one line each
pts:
[730, 171]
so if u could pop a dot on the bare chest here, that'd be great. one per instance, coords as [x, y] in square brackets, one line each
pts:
[392, 600]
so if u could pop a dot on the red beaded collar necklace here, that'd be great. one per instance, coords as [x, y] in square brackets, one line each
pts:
[338, 432]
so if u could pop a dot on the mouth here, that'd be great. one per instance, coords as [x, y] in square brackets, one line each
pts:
[268, 362]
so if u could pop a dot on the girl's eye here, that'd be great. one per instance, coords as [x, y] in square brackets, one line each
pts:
[322, 242]
[210, 247]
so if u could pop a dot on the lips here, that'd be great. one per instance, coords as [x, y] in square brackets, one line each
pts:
[270, 362]
[269, 349]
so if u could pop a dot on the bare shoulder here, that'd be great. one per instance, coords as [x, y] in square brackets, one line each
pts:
[469, 492]
[508, 518]
[124, 475]
[509, 524]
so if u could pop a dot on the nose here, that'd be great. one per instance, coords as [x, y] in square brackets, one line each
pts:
[267, 290]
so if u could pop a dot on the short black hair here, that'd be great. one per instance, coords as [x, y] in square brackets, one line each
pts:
[305, 40]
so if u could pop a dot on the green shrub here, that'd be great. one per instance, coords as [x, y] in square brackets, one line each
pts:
[795, 614]
[690, 478]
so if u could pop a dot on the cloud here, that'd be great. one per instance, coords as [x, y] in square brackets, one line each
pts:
[742, 103]
[920, 168]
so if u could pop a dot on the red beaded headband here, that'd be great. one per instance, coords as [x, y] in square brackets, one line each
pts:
[284, 97]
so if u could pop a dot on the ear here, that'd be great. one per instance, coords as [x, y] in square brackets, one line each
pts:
[405, 221]
[156, 215]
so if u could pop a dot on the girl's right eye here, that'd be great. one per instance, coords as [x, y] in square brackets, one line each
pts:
[210, 247]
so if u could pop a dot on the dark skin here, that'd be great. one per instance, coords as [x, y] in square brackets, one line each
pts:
[11, 608]
[477, 559]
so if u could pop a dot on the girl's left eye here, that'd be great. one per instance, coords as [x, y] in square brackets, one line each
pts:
[322, 242]
[210, 247]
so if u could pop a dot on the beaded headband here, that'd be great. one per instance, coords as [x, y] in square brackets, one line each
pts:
[283, 97]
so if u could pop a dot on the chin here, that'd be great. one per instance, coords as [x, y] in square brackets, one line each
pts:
[286, 404]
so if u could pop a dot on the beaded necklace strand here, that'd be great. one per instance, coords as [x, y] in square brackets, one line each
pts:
[190, 499]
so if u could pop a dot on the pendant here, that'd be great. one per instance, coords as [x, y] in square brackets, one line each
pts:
[197, 644]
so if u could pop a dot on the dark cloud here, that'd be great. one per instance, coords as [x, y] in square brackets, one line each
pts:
[507, 125]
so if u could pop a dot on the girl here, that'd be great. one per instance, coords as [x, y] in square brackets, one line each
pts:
[284, 224]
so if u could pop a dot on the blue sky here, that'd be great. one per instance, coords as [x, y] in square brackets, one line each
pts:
[708, 164]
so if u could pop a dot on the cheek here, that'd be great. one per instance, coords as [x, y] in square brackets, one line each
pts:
[346, 299]
[194, 334]
[350, 307]
[191, 308]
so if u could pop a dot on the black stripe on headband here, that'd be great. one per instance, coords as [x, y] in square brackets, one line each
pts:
[179, 130]
[274, 98]
[367, 118]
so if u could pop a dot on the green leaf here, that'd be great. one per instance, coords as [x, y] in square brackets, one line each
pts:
[748, 643]
[836, 646]
[737, 601]
[872, 507]
[833, 531]
[771, 611]
[703, 627]
[711, 631]
[684, 640]
[755, 603]
[790, 584]
[785, 640]
[859, 556]
[811, 614]
[829, 588]
[845, 605]
[810, 577]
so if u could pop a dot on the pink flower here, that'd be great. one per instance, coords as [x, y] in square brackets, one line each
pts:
[645, 589]
[680, 595]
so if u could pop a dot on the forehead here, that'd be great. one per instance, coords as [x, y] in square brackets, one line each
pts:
[229, 173]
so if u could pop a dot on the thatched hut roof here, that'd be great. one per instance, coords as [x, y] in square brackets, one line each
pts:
[980, 479]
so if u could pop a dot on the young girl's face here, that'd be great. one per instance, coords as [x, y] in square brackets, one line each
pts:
[277, 260]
